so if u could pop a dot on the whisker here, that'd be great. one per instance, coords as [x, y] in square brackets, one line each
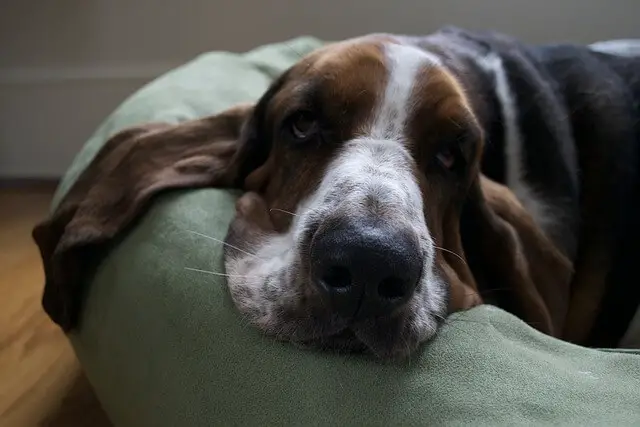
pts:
[215, 273]
[300, 56]
[283, 211]
[304, 211]
[479, 322]
[489, 290]
[448, 322]
[225, 244]
[452, 253]
[439, 316]
[455, 123]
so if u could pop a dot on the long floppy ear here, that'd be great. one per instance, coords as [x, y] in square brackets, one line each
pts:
[510, 254]
[132, 167]
[463, 288]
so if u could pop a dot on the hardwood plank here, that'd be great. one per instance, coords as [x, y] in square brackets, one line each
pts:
[41, 382]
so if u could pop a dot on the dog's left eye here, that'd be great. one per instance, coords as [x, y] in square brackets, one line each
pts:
[303, 125]
[446, 158]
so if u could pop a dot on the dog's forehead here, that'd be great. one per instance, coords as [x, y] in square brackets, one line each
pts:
[352, 72]
[383, 81]
[371, 62]
[348, 53]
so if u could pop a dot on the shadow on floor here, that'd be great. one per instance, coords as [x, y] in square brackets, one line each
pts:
[79, 408]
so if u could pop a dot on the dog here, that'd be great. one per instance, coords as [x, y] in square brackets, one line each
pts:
[391, 180]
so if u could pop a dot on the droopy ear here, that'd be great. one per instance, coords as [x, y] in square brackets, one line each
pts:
[116, 187]
[463, 289]
[508, 252]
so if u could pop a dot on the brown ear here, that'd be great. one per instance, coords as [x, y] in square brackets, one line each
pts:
[463, 289]
[508, 252]
[132, 167]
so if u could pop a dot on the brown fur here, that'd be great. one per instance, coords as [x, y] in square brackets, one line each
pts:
[346, 99]
[138, 163]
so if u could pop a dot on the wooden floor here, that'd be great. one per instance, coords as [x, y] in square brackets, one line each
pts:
[41, 383]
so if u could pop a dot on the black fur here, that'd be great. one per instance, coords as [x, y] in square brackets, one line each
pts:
[579, 120]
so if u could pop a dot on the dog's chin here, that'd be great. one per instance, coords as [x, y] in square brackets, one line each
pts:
[386, 338]
[343, 342]
[390, 338]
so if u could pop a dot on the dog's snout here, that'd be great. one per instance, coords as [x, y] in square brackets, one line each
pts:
[366, 269]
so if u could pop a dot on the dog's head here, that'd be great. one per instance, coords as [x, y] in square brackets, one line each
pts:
[365, 219]
[363, 154]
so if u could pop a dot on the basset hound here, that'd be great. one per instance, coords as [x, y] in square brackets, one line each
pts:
[391, 180]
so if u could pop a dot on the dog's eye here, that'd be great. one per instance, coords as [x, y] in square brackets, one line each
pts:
[303, 125]
[446, 158]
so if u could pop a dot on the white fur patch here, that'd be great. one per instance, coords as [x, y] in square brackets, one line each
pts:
[379, 170]
[404, 64]
[514, 144]
[624, 47]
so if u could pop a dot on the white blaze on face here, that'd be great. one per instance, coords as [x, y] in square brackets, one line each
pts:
[405, 63]
[376, 167]
[372, 174]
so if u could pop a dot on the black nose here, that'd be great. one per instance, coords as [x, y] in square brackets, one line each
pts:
[367, 269]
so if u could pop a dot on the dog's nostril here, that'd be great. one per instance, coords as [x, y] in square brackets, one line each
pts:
[391, 288]
[337, 277]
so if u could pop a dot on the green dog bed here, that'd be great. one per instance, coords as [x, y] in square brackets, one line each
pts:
[164, 346]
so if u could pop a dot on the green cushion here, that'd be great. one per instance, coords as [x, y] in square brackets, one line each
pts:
[164, 346]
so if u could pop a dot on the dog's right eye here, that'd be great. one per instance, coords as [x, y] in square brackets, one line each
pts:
[303, 125]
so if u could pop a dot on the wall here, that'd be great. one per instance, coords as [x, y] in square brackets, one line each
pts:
[66, 64]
